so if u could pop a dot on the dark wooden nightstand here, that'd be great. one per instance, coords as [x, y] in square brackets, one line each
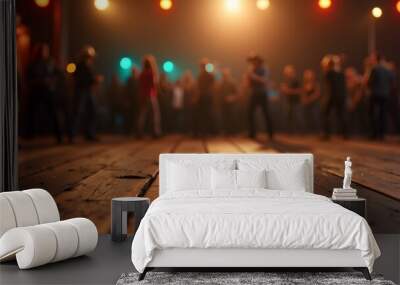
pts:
[358, 205]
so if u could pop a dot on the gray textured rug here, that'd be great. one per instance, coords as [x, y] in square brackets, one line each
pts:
[231, 278]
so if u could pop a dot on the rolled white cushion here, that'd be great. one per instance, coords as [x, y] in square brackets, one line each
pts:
[87, 235]
[45, 205]
[33, 246]
[67, 240]
[23, 208]
[7, 218]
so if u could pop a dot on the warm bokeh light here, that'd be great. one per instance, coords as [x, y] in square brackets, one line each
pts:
[166, 4]
[42, 3]
[324, 4]
[263, 4]
[71, 67]
[209, 67]
[377, 12]
[125, 63]
[101, 4]
[232, 5]
[168, 66]
[398, 6]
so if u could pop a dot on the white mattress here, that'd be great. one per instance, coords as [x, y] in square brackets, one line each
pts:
[252, 219]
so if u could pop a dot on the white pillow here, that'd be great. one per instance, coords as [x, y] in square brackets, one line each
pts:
[187, 174]
[282, 174]
[185, 177]
[251, 178]
[223, 179]
[236, 179]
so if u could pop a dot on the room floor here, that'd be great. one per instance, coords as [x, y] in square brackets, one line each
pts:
[84, 177]
[106, 264]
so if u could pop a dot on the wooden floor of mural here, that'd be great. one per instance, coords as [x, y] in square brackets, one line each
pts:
[83, 177]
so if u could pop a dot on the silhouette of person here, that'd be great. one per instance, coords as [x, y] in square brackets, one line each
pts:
[228, 93]
[148, 81]
[132, 97]
[291, 90]
[203, 101]
[85, 81]
[257, 79]
[333, 98]
[380, 83]
[309, 99]
[42, 75]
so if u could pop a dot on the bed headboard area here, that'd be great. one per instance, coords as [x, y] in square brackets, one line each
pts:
[297, 169]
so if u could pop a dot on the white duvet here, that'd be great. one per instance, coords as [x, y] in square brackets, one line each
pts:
[250, 219]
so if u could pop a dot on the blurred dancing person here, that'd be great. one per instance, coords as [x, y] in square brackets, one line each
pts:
[356, 101]
[243, 101]
[203, 101]
[333, 97]
[164, 95]
[380, 83]
[148, 81]
[132, 95]
[85, 82]
[228, 92]
[116, 103]
[189, 89]
[64, 103]
[42, 79]
[257, 79]
[291, 90]
[394, 104]
[310, 99]
[178, 101]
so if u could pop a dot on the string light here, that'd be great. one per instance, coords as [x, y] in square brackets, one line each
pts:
[232, 5]
[166, 4]
[42, 3]
[209, 67]
[263, 4]
[125, 63]
[71, 67]
[325, 4]
[398, 6]
[101, 4]
[376, 12]
[168, 66]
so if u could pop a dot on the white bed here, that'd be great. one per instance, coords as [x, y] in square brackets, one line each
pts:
[249, 227]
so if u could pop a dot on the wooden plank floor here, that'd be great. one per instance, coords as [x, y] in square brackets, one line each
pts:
[84, 177]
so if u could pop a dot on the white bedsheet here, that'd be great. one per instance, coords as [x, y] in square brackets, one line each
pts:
[250, 219]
